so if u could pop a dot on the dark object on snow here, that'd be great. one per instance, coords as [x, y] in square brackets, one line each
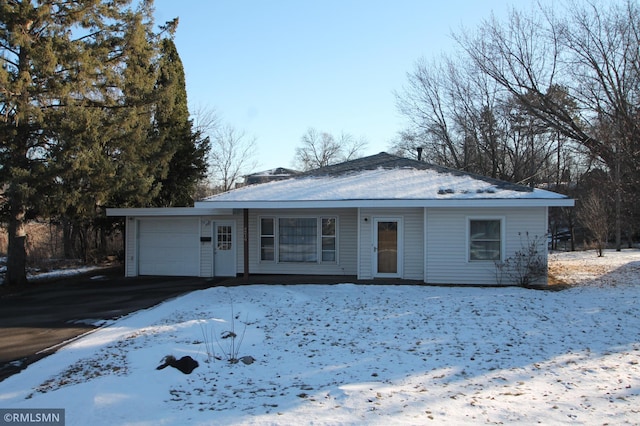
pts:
[247, 360]
[186, 364]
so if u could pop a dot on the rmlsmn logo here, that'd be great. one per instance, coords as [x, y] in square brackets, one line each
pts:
[32, 416]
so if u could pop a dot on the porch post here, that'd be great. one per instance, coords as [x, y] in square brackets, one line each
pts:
[246, 243]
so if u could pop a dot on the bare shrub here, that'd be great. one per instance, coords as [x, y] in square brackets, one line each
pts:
[527, 266]
[229, 341]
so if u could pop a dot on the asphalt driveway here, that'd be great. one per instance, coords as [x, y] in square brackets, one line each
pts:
[39, 319]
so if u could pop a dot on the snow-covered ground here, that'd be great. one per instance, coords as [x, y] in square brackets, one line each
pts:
[36, 275]
[348, 354]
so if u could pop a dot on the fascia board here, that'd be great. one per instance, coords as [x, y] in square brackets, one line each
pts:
[168, 211]
[302, 204]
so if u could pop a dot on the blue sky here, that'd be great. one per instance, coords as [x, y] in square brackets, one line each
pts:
[275, 68]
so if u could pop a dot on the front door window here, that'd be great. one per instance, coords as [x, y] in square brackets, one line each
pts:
[387, 251]
[224, 239]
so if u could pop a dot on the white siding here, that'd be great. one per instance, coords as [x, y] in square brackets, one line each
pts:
[365, 244]
[446, 257]
[441, 259]
[131, 247]
[412, 240]
[206, 247]
[346, 244]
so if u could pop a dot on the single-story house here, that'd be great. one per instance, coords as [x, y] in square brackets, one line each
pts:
[381, 216]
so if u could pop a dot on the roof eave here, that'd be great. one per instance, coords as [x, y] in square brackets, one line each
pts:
[169, 211]
[452, 202]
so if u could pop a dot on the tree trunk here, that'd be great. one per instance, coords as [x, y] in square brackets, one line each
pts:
[572, 231]
[17, 251]
[85, 245]
[67, 238]
[102, 238]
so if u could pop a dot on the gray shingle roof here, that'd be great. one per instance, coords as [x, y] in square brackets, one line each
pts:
[384, 160]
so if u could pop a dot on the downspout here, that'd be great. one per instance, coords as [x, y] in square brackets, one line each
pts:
[246, 243]
[546, 246]
[425, 247]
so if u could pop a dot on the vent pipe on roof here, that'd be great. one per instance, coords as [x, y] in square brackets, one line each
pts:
[419, 153]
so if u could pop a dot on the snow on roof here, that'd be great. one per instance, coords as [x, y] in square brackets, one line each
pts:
[278, 171]
[385, 180]
[382, 184]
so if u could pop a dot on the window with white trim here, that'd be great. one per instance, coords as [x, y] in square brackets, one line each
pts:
[267, 239]
[485, 239]
[328, 239]
[298, 239]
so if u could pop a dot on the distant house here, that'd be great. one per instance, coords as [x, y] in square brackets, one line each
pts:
[381, 216]
[279, 173]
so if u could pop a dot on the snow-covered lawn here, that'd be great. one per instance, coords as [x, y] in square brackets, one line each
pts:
[376, 354]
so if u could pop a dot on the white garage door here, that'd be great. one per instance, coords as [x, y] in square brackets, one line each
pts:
[169, 247]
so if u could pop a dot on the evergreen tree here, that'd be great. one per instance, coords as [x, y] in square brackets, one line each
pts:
[138, 155]
[108, 155]
[174, 130]
[92, 113]
[81, 176]
[54, 55]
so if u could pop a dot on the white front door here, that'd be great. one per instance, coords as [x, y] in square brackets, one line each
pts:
[387, 249]
[224, 249]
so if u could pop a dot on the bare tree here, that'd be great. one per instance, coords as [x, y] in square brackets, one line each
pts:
[424, 102]
[592, 213]
[320, 149]
[206, 120]
[232, 156]
[351, 147]
[591, 54]
[534, 96]
[406, 144]
[463, 119]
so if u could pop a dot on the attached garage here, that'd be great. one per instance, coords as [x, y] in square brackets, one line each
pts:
[179, 241]
[169, 246]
